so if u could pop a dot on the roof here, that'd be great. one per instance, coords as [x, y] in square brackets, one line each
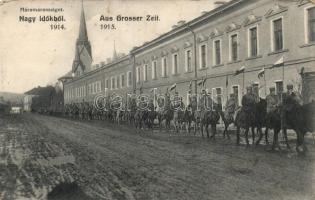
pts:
[45, 91]
[186, 26]
[68, 75]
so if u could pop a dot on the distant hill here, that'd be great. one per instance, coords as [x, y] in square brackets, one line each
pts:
[15, 98]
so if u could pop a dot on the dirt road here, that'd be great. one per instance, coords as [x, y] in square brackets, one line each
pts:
[115, 162]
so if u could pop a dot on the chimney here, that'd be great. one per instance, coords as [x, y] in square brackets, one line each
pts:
[204, 12]
[219, 3]
[181, 22]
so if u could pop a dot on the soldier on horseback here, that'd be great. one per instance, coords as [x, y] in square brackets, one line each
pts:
[289, 99]
[246, 117]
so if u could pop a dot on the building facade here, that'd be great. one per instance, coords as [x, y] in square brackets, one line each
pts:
[253, 34]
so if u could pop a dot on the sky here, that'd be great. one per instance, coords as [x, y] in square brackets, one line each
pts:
[31, 54]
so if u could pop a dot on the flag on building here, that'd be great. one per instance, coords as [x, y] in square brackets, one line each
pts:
[173, 87]
[202, 82]
[261, 73]
[227, 81]
[239, 71]
[140, 90]
[279, 62]
[190, 85]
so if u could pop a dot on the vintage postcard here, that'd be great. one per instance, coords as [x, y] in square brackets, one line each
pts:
[157, 99]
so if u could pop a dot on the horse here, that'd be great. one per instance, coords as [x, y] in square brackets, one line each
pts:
[210, 117]
[228, 118]
[254, 118]
[300, 118]
[188, 118]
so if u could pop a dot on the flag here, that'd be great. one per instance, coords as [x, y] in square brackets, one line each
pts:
[202, 82]
[173, 87]
[261, 73]
[239, 71]
[279, 62]
[140, 89]
[227, 81]
[152, 90]
[190, 85]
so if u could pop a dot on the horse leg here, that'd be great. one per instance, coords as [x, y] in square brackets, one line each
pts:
[238, 135]
[285, 135]
[246, 136]
[266, 135]
[213, 130]
[227, 132]
[207, 129]
[201, 129]
[253, 135]
[275, 139]
[260, 136]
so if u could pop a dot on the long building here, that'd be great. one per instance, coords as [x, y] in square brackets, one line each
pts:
[241, 34]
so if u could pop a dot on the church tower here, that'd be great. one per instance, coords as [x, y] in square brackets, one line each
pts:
[83, 51]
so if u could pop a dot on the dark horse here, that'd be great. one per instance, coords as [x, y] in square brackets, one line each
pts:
[299, 118]
[254, 118]
[210, 117]
[166, 115]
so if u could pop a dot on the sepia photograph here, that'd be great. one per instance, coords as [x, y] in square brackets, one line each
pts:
[157, 100]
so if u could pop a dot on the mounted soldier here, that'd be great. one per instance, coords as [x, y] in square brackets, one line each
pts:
[245, 118]
[289, 100]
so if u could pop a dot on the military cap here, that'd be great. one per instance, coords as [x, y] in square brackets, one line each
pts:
[290, 87]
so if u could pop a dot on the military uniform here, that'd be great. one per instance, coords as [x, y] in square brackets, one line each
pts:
[272, 101]
[289, 99]
[230, 108]
[248, 102]
[246, 118]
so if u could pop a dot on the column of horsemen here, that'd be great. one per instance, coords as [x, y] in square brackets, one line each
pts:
[277, 112]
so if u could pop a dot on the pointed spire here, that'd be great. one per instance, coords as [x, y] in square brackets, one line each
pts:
[82, 32]
[114, 53]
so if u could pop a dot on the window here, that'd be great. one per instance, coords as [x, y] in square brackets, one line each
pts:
[122, 78]
[203, 58]
[138, 74]
[175, 64]
[188, 61]
[154, 74]
[217, 96]
[234, 48]
[94, 88]
[279, 87]
[253, 42]
[217, 52]
[106, 83]
[113, 83]
[145, 72]
[118, 82]
[277, 35]
[129, 82]
[164, 67]
[311, 24]
[236, 92]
